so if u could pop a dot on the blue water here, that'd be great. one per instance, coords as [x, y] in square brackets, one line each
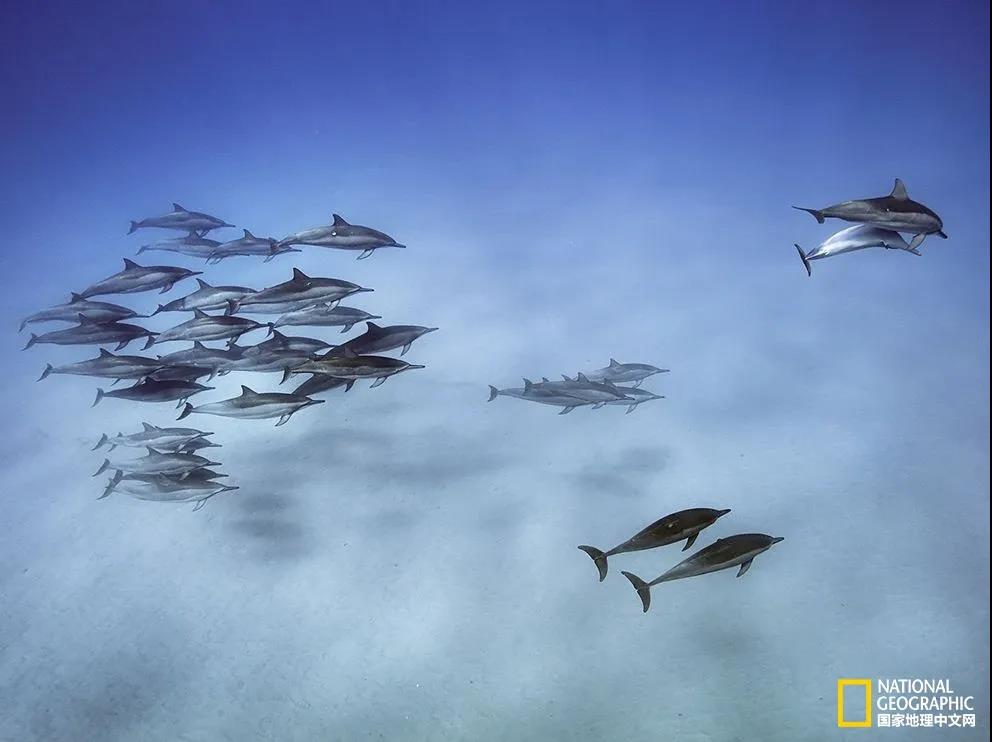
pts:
[575, 181]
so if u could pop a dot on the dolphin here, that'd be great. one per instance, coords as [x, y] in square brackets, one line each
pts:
[158, 463]
[625, 373]
[89, 332]
[352, 366]
[318, 383]
[221, 360]
[378, 339]
[192, 245]
[341, 235]
[196, 475]
[206, 297]
[639, 397]
[280, 343]
[270, 360]
[722, 554]
[97, 311]
[532, 393]
[155, 391]
[136, 278]
[858, 237]
[150, 436]
[324, 315]
[251, 405]
[181, 373]
[599, 393]
[207, 327]
[249, 244]
[108, 366]
[181, 219]
[300, 288]
[163, 488]
[685, 524]
[895, 212]
[198, 444]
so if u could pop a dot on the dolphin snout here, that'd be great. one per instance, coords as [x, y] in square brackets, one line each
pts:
[777, 539]
[721, 513]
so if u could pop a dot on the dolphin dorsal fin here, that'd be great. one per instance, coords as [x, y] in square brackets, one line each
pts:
[339, 221]
[545, 379]
[147, 426]
[528, 384]
[151, 451]
[104, 353]
[203, 284]
[373, 327]
[199, 314]
[198, 345]
[582, 377]
[247, 391]
[899, 191]
[613, 362]
[249, 235]
[128, 263]
[276, 335]
[299, 275]
[565, 378]
[177, 207]
[74, 298]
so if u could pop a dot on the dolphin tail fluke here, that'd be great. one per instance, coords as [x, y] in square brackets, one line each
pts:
[31, 341]
[818, 215]
[111, 485]
[642, 588]
[103, 467]
[46, 372]
[493, 393]
[101, 442]
[802, 255]
[99, 395]
[599, 558]
[134, 227]
[187, 408]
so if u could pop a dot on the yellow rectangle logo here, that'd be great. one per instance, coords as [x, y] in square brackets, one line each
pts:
[843, 683]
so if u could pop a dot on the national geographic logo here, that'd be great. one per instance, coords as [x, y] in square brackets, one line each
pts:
[902, 702]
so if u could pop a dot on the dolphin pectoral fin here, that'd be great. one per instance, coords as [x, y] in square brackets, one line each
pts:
[111, 485]
[349, 385]
[121, 345]
[916, 252]
[199, 505]
[631, 408]
[286, 373]
[818, 215]
[916, 241]
[806, 265]
[566, 410]
[744, 567]
[405, 349]
[377, 382]
[166, 289]
[638, 383]
[284, 419]
[599, 559]
[365, 254]
[643, 589]
[689, 542]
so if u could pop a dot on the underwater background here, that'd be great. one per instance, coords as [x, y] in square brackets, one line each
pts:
[574, 182]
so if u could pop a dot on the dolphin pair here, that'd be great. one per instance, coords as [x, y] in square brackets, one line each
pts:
[567, 394]
[172, 440]
[92, 332]
[153, 462]
[378, 339]
[250, 405]
[249, 244]
[340, 235]
[859, 237]
[197, 487]
[206, 297]
[181, 219]
[354, 367]
[96, 311]
[298, 292]
[896, 212]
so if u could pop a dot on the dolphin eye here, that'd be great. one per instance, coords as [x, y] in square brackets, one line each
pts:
[334, 233]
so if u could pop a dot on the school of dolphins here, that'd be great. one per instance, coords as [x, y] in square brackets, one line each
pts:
[177, 466]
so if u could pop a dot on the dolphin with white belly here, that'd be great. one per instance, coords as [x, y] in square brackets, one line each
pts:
[533, 393]
[298, 290]
[136, 278]
[158, 463]
[96, 311]
[858, 237]
[723, 554]
[341, 235]
[182, 219]
[206, 297]
[90, 332]
[192, 245]
[251, 405]
[205, 327]
[107, 366]
[249, 244]
[151, 436]
[625, 373]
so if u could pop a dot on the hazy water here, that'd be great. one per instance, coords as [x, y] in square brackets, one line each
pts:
[400, 563]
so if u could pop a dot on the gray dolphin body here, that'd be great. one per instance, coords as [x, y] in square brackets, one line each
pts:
[162, 488]
[108, 366]
[858, 237]
[300, 291]
[625, 373]
[192, 245]
[685, 524]
[205, 327]
[206, 297]
[158, 463]
[723, 554]
[324, 315]
[542, 396]
[251, 405]
[182, 219]
[181, 373]
[280, 343]
[349, 366]
[96, 311]
[249, 244]
[599, 393]
[155, 391]
[340, 235]
[378, 339]
[318, 383]
[895, 212]
[221, 360]
[136, 278]
[151, 436]
[639, 397]
[88, 332]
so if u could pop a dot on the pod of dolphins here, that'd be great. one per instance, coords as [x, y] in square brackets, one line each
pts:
[171, 469]
[878, 222]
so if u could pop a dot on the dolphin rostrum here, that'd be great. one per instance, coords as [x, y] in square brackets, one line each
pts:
[625, 373]
[136, 278]
[208, 327]
[685, 524]
[722, 554]
[155, 391]
[858, 237]
[896, 212]
[206, 297]
[97, 311]
[181, 219]
[300, 289]
[324, 315]
[89, 332]
[150, 436]
[251, 405]
[109, 366]
[341, 235]
[378, 339]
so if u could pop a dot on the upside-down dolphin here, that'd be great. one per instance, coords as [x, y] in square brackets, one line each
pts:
[251, 405]
[341, 235]
[685, 524]
[858, 237]
[182, 219]
[896, 212]
[723, 554]
[135, 278]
